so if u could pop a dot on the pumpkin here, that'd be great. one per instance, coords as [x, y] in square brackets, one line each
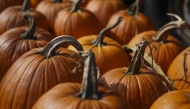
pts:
[33, 3]
[133, 23]
[163, 46]
[86, 96]
[17, 41]
[50, 9]
[179, 70]
[178, 99]
[138, 85]
[109, 53]
[6, 3]
[104, 9]
[38, 70]
[11, 17]
[76, 22]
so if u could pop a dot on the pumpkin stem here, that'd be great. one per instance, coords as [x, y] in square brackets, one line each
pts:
[57, 1]
[99, 40]
[25, 5]
[133, 9]
[89, 88]
[51, 48]
[76, 5]
[32, 27]
[135, 64]
[165, 30]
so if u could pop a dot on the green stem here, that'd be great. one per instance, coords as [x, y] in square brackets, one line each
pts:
[165, 30]
[57, 1]
[99, 40]
[32, 27]
[76, 5]
[51, 48]
[25, 6]
[89, 88]
[135, 64]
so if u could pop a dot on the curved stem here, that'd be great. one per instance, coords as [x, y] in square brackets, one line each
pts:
[51, 48]
[99, 40]
[89, 88]
[133, 9]
[135, 65]
[57, 1]
[76, 5]
[32, 27]
[25, 5]
[165, 30]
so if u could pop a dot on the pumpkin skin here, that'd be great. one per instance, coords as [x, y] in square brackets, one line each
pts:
[104, 12]
[82, 96]
[6, 3]
[179, 99]
[50, 9]
[126, 30]
[178, 71]
[11, 17]
[33, 74]
[77, 23]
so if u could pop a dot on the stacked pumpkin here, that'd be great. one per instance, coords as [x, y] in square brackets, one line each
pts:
[77, 54]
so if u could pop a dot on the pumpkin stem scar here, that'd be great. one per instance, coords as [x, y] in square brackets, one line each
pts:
[135, 64]
[25, 6]
[99, 40]
[32, 27]
[165, 30]
[50, 49]
[57, 1]
[76, 5]
[89, 88]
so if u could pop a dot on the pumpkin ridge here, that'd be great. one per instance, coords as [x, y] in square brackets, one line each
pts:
[138, 82]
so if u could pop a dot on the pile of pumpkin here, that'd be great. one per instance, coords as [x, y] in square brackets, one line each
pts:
[89, 54]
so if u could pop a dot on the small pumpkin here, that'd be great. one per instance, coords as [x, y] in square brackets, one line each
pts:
[76, 22]
[17, 41]
[139, 86]
[38, 70]
[164, 47]
[11, 17]
[179, 71]
[50, 9]
[133, 23]
[86, 96]
[109, 53]
[104, 9]
[178, 99]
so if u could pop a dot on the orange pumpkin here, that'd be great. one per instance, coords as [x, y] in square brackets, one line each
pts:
[139, 86]
[86, 96]
[104, 9]
[17, 41]
[109, 53]
[163, 46]
[76, 22]
[133, 23]
[11, 17]
[38, 70]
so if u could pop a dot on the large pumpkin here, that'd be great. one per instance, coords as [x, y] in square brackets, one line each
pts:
[179, 99]
[179, 70]
[109, 53]
[76, 22]
[17, 41]
[11, 17]
[139, 86]
[50, 9]
[37, 71]
[104, 9]
[86, 96]
[163, 46]
[133, 23]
